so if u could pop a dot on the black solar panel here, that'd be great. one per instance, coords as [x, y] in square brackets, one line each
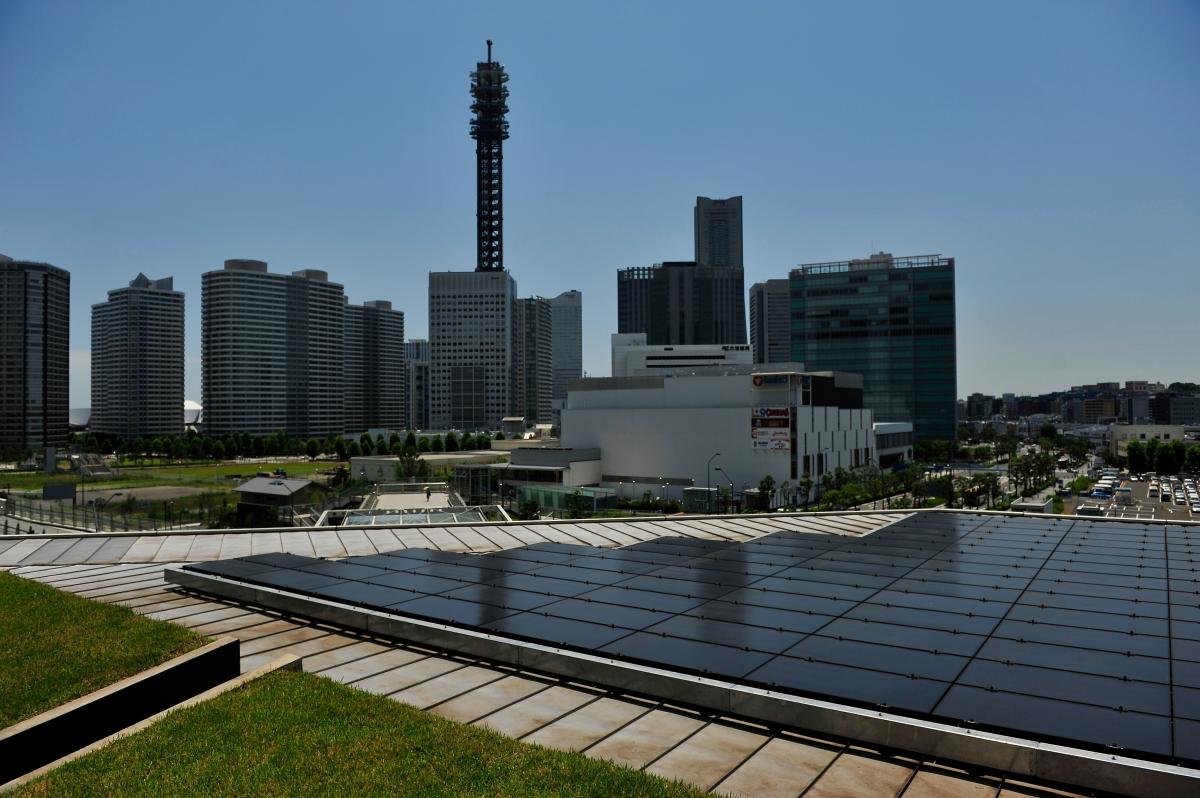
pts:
[1077, 631]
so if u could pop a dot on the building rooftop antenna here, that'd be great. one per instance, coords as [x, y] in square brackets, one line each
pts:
[489, 43]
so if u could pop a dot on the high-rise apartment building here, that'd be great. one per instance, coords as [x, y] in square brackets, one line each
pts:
[273, 351]
[416, 361]
[137, 360]
[376, 386]
[566, 312]
[533, 356]
[470, 348]
[718, 232]
[890, 320]
[35, 318]
[770, 322]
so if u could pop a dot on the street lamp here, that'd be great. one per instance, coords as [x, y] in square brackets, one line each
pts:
[708, 493]
[721, 471]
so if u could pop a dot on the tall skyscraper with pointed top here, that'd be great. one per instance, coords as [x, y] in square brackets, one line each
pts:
[489, 128]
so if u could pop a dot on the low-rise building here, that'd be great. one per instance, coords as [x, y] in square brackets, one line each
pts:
[1120, 435]
[893, 443]
[632, 356]
[665, 433]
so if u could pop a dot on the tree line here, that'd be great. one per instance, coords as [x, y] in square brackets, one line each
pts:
[194, 446]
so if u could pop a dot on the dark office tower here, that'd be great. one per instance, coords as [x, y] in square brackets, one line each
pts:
[533, 359]
[633, 299]
[890, 320]
[489, 128]
[718, 230]
[376, 388]
[682, 302]
[566, 311]
[35, 316]
[416, 370]
[770, 333]
[137, 360]
[272, 351]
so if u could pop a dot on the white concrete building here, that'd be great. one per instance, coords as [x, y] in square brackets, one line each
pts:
[1120, 435]
[470, 348]
[659, 433]
[633, 357]
[893, 443]
[273, 351]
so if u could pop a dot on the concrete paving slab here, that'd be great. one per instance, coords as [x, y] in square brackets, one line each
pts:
[317, 663]
[368, 666]
[287, 637]
[406, 676]
[450, 685]
[783, 768]
[853, 776]
[935, 783]
[589, 723]
[143, 549]
[705, 758]
[647, 738]
[489, 698]
[530, 714]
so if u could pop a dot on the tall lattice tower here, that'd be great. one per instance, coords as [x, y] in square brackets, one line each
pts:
[489, 128]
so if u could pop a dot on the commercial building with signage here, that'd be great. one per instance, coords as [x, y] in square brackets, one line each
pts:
[664, 433]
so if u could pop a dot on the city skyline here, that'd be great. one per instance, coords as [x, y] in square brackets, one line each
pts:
[1052, 204]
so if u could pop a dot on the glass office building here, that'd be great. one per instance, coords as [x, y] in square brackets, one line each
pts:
[892, 321]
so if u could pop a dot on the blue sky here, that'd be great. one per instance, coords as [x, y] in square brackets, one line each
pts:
[1051, 147]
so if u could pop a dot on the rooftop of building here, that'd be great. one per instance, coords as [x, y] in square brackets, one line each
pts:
[878, 261]
[714, 749]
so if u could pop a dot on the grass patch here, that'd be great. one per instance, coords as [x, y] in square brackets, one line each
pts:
[55, 646]
[296, 734]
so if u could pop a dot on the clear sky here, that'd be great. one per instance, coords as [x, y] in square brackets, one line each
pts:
[1052, 148]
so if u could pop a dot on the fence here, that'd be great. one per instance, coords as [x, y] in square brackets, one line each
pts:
[90, 518]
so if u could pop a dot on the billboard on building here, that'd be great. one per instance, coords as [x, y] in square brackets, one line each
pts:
[771, 428]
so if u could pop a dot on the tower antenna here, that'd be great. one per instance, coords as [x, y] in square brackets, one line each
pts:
[489, 128]
[489, 42]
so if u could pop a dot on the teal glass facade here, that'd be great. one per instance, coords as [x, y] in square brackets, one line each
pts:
[890, 320]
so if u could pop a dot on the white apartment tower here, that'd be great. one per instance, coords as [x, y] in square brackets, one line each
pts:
[470, 348]
[137, 360]
[273, 351]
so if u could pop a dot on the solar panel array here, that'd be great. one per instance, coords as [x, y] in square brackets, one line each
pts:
[1080, 631]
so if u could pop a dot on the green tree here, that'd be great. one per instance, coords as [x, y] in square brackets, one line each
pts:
[354, 449]
[766, 486]
[806, 486]
[529, 510]
[218, 450]
[424, 445]
[1135, 453]
[499, 435]
[482, 441]
[1192, 459]
[366, 444]
[339, 448]
[312, 448]
[467, 443]
[451, 442]
[410, 440]
[438, 444]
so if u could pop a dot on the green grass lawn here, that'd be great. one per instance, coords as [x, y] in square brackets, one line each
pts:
[55, 646]
[142, 476]
[295, 734]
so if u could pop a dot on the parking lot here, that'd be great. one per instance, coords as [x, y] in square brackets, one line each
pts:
[1147, 509]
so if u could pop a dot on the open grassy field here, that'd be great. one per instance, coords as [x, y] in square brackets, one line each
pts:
[296, 734]
[55, 646]
[142, 476]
